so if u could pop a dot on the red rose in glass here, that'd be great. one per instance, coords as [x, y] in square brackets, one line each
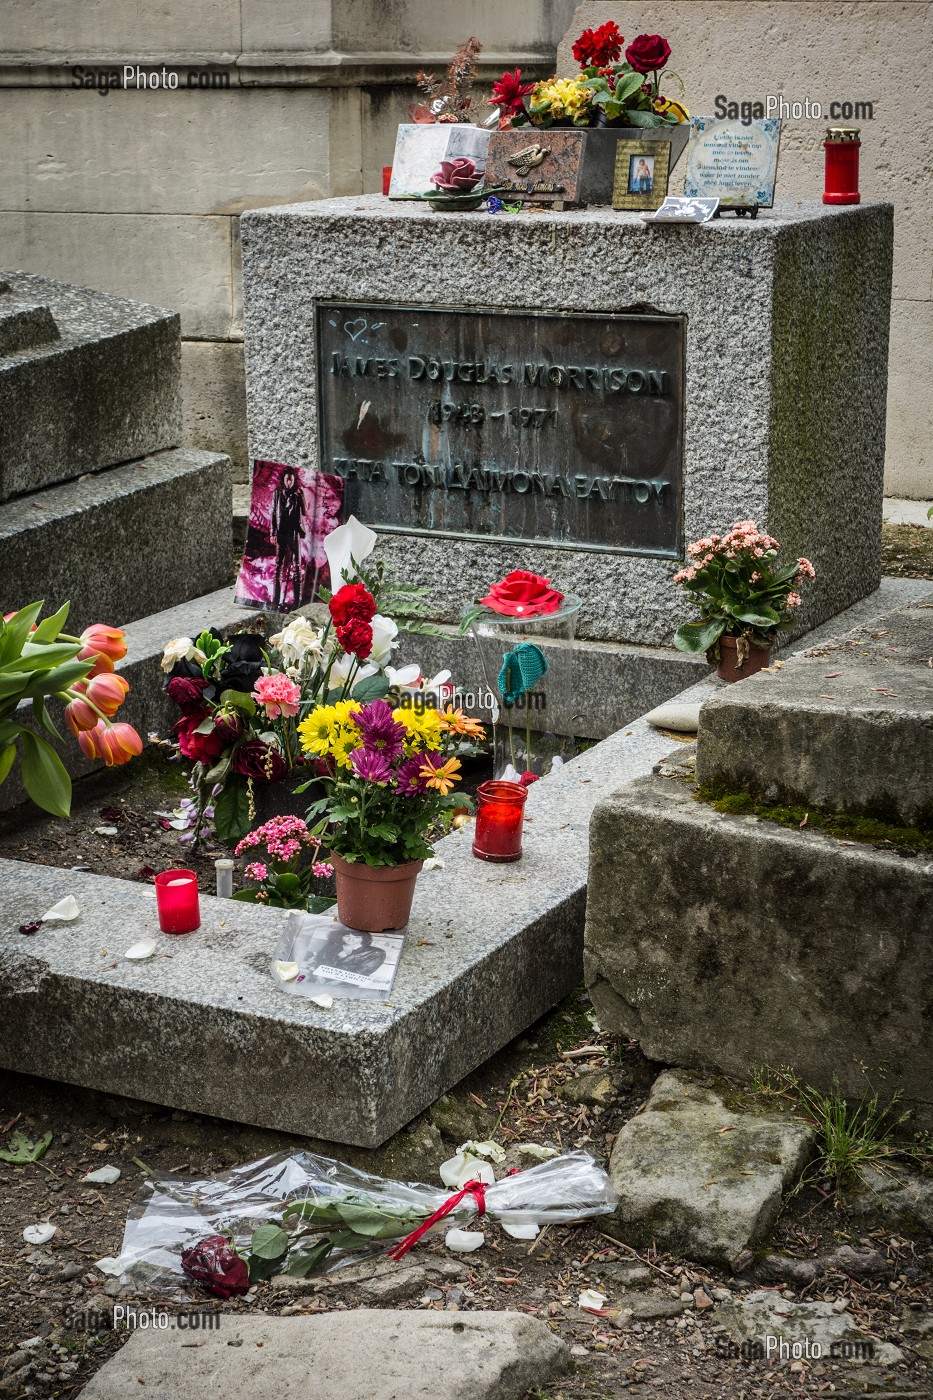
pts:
[647, 53]
[216, 1266]
[352, 603]
[521, 594]
[597, 47]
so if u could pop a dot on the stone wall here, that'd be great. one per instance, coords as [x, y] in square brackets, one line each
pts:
[810, 49]
[138, 192]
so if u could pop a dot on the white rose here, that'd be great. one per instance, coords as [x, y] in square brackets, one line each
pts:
[181, 649]
[296, 639]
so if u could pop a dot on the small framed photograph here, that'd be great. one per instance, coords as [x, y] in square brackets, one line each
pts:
[641, 173]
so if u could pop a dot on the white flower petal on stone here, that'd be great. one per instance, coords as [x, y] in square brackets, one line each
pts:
[464, 1167]
[464, 1241]
[104, 1176]
[105, 831]
[110, 1265]
[324, 1000]
[490, 1151]
[434, 863]
[286, 971]
[39, 1234]
[63, 912]
[591, 1301]
[139, 951]
[350, 541]
[385, 632]
[520, 1229]
[533, 1149]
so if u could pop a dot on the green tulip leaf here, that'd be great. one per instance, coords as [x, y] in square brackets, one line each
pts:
[44, 775]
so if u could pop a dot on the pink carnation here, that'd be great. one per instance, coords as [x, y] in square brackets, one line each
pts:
[278, 695]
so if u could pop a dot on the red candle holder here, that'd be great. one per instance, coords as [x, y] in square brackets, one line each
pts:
[386, 178]
[177, 901]
[500, 812]
[842, 146]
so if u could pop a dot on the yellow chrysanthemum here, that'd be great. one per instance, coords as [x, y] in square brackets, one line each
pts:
[425, 731]
[327, 726]
[344, 746]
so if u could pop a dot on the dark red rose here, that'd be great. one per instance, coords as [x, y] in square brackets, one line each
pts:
[356, 638]
[597, 47]
[521, 594]
[215, 1265]
[187, 692]
[257, 760]
[200, 748]
[647, 53]
[352, 603]
[229, 724]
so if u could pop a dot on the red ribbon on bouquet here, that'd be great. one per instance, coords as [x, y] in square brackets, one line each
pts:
[474, 1188]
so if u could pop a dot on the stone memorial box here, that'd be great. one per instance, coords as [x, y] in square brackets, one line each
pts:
[579, 393]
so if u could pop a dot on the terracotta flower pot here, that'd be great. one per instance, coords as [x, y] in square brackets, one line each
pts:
[372, 898]
[731, 668]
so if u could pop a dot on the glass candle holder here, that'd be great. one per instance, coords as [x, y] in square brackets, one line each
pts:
[386, 178]
[842, 146]
[500, 812]
[177, 901]
[224, 869]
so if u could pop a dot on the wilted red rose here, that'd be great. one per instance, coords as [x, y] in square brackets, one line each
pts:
[187, 693]
[215, 1265]
[200, 748]
[356, 638]
[647, 53]
[352, 603]
[521, 594]
[259, 761]
[597, 47]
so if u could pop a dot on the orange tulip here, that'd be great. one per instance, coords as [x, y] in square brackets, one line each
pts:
[120, 743]
[89, 740]
[107, 693]
[100, 639]
[102, 665]
[79, 716]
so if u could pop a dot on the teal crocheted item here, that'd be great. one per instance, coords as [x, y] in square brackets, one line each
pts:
[521, 669]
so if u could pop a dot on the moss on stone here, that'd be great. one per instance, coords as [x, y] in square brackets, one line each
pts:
[844, 827]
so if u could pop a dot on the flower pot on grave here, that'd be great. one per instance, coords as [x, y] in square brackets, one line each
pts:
[374, 898]
[528, 665]
[738, 658]
[572, 166]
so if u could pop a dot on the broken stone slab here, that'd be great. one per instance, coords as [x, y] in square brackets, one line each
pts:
[699, 1179]
[651, 1306]
[897, 1196]
[736, 937]
[379, 1280]
[621, 1273]
[364, 1354]
[87, 380]
[120, 544]
[786, 1331]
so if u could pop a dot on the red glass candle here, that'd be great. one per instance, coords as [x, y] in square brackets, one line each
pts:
[842, 146]
[386, 178]
[500, 811]
[177, 901]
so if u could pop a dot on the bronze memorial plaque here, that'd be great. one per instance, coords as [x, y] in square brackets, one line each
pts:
[548, 429]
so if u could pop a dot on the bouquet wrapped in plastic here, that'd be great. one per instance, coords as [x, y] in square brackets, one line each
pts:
[298, 1213]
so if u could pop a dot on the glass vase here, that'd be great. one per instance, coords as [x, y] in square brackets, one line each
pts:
[528, 666]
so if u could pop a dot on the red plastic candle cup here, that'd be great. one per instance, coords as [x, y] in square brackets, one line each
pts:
[177, 901]
[500, 811]
[386, 178]
[842, 146]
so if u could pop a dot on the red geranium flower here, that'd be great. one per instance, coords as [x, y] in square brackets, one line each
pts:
[352, 603]
[597, 47]
[509, 90]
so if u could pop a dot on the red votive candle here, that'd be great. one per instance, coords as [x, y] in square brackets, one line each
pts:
[386, 178]
[842, 146]
[177, 901]
[500, 811]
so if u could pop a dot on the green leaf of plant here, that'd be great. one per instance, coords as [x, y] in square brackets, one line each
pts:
[231, 812]
[42, 658]
[50, 682]
[40, 710]
[767, 617]
[372, 688]
[49, 628]
[21, 1150]
[44, 775]
[13, 634]
[269, 1242]
[245, 896]
[7, 758]
[302, 1262]
[238, 700]
[696, 637]
[637, 118]
[322, 1212]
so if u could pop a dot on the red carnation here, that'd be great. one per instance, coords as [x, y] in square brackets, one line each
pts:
[356, 638]
[648, 53]
[597, 47]
[216, 1266]
[509, 90]
[352, 603]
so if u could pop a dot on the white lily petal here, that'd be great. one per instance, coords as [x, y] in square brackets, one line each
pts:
[533, 1149]
[464, 1167]
[385, 632]
[286, 971]
[464, 1241]
[491, 1151]
[404, 676]
[39, 1234]
[63, 912]
[434, 863]
[325, 1001]
[104, 1176]
[350, 541]
[139, 951]
[521, 1229]
[590, 1299]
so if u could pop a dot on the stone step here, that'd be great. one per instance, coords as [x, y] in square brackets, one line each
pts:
[123, 543]
[846, 727]
[87, 380]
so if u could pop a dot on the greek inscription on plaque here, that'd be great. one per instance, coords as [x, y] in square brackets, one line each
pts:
[547, 429]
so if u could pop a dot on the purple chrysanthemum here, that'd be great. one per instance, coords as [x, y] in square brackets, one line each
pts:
[379, 730]
[371, 765]
[409, 782]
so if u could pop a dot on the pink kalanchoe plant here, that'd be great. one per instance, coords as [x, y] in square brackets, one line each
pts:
[286, 872]
[458, 176]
